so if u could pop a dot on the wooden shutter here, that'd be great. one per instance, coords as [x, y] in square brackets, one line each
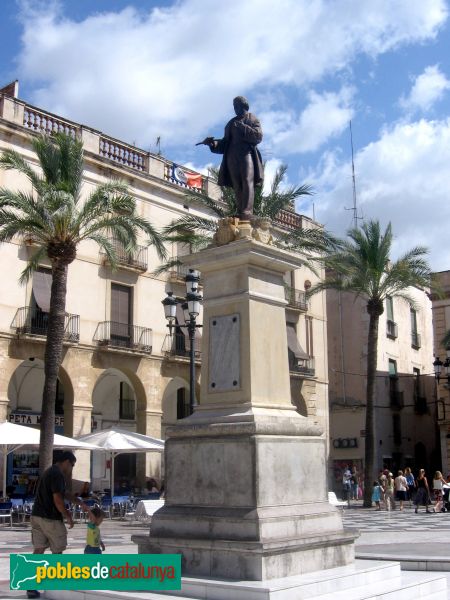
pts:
[121, 303]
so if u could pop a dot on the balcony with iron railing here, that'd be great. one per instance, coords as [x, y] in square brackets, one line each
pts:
[33, 321]
[123, 335]
[391, 329]
[305, 367]
[295, 298]
[178, 272]
[178, 344]
[416, 340]
[136, 259]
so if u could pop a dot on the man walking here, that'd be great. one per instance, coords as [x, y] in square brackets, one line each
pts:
[49, 511]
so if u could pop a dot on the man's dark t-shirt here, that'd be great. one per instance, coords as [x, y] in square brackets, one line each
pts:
[51, 482]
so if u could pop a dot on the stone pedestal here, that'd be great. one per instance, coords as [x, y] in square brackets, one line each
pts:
[246, 492]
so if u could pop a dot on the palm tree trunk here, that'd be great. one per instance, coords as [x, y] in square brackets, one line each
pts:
[53, 359]
[372, 347]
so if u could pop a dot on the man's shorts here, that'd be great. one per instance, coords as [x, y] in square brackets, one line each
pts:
[48, 533]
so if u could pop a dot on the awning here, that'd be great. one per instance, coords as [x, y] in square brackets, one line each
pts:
[42, 286]
[184, 330]
[294, 344]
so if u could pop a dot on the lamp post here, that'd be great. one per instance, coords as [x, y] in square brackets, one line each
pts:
[438, 365]
[191, 310]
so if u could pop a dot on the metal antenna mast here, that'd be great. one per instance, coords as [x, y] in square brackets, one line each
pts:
[355, 213]
[355, 208]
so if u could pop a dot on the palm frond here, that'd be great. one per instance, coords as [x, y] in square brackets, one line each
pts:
[61, 159]
[207, 202]
[12, 160]
[106, 244]
[166, 266]
[32, 265]
[12, 224]
[362, 265]
[21, 201]
[195, 241]
[191, 223]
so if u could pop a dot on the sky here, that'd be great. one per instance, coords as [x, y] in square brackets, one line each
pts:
[142, 69]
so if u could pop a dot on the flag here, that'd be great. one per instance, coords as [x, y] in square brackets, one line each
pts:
[193, 180]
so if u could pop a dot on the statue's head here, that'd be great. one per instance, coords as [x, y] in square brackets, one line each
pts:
[241, 105]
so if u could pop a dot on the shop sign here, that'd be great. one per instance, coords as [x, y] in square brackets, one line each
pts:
[33, 419]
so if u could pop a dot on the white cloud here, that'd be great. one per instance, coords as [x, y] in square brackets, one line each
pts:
[428, 88]
[325, 116]
[173, 71]
[270, 168]
[404, 178]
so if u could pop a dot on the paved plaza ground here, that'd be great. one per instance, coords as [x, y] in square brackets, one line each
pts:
[419, 541]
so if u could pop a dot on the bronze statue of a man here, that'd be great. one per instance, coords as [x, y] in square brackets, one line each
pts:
[242, 167]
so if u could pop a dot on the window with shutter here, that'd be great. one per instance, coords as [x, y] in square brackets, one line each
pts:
[126, 402]
[121, 316]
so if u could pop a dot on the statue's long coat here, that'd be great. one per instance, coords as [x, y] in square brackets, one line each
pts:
[251, 133]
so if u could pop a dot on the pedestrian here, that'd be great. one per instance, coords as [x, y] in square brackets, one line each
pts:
[152, 486]
[438, 491]
[49, 511]
[401, 487]
[382, 482]
[347, 484]
[354, 484]
[411, 485]
[389, 492]
[377, 494]
[94, 542]
[423, 491]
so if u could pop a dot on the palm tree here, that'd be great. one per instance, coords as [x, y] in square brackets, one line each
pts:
[363, 267]
[54, 217]
[197, 232]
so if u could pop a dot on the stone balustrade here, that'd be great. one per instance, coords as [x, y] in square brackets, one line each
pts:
[42, 122]
[125, 155]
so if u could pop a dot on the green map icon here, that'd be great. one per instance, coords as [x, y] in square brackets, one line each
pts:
[24, 572]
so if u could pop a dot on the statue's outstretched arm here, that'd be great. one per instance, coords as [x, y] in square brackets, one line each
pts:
[216, 146]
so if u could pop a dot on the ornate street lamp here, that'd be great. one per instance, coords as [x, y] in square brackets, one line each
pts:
[191, 310]
[438, 365]
[170, 309]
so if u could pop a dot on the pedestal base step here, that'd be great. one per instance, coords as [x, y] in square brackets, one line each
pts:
[364, 580]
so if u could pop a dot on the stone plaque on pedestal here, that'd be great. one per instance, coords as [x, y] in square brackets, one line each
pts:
[224, 353]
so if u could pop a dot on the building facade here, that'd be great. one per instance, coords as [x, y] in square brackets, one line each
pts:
[405, 407]
[120, 366]
[441, 324]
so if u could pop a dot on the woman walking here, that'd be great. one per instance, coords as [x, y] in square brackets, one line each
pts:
[401, 487]
[389, 492]
[423, 491]
[411, 485]
[438, 491]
